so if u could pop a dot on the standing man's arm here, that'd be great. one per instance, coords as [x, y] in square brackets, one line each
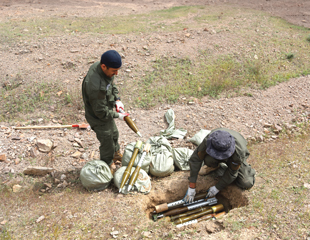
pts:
[98, 102]
[118, 104]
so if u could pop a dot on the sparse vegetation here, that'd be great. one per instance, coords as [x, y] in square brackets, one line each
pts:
[256, 62]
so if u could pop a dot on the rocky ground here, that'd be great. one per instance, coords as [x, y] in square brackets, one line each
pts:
[260, 115]
[280, 107]
[259, 118]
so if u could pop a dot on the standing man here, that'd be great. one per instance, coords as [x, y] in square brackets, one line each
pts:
[100, 95]
[224, 151]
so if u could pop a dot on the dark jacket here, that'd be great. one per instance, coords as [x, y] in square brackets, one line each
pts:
[99, 96]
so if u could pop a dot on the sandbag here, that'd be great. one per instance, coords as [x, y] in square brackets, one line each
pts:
[143, 183]
[96, 175]
[171, 132]
[198, 137]
[128, 154]
[158, 142]
[161, 157]
[162, 164]
[181, 157]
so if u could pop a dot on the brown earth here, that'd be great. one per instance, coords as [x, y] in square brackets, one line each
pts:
[283, 105]
[296, 12]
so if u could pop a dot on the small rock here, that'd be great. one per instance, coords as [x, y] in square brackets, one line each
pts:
[48, 185]
[40, 219]
[17, 161]
[147, 234]
[15, 138]
[85, 156]
[277, 127]
[3, 222]
[3, 157]
[33, 152]
[44, 145]
[63, 177]
[77, 154]
[76, 145]
[267, 125]
[38, 171]
[71, 138]
[17, 188]
[79, 142]
[30, 139]
[65, 184]
[307, 185]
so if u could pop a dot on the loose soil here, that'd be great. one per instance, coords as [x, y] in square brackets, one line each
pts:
[252, 115]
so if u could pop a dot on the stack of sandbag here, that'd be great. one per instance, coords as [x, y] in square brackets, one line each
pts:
[143, 183]
[96, 175]
[128, 153]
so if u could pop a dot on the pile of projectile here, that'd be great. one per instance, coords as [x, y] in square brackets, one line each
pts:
[183, 214]
[135, 174]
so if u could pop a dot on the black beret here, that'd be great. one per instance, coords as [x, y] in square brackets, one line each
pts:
[111, 59]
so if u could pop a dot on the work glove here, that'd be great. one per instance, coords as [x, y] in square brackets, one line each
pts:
[123, 115]
[189, 196]
[119, 106]
[212, 191]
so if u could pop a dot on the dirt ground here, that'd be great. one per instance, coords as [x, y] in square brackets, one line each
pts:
[282, 105]
[45, 59]
[296, 11]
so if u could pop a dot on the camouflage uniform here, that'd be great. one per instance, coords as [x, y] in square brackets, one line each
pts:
[99, 96]
[238, 171]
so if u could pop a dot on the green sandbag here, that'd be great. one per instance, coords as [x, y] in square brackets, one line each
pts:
[143, 183]
[161, 157]
[181, 157]
[198, 137]
[162, 163]
[128, 154]
[171, 132]
[96, 175]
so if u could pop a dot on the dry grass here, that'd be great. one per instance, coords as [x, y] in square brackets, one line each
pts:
[280, 201]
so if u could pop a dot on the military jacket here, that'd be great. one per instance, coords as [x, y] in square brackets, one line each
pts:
[99, 96]
[234, 163]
